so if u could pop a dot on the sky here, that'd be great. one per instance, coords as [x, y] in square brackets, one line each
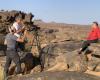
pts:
[63, 11]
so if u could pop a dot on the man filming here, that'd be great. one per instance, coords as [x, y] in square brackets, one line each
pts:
[11, 54]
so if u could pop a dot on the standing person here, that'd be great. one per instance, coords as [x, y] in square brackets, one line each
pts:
[11, 54]
[93, 37]
[18, 26]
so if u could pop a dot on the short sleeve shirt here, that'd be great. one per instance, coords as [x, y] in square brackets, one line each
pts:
[17, 26]
[11, 41]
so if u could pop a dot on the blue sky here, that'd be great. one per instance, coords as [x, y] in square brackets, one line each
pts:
[67, 11]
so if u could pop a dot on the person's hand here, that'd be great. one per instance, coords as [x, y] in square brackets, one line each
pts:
[25, 32]
[23, 27]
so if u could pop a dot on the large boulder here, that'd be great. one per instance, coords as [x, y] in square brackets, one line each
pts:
[8, 17]
[94, 64]
[63, 56]
[56, 76]
[28, 62]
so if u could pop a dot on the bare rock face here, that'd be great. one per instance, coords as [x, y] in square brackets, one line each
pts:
[28, 63]
[63, 56]
[94, 64]
[57, 57]
[59, 43]
[57, 76]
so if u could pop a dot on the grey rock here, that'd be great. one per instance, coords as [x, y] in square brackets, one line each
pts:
[8, 17]
[54, 54]
[57, 76]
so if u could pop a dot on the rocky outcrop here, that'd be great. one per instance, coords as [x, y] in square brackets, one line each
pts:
[57, 76]
[63, 56]
[94, 64]
[59, 44]
[8, 17]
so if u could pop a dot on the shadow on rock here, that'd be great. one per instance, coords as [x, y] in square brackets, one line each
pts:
[28, 62]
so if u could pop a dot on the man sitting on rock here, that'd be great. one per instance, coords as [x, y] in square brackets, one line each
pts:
[11, 54]
[93, 37]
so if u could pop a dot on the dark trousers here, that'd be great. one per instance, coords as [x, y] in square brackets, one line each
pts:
[12, 55]
[42, 60]
[87, 43]
[20, 46]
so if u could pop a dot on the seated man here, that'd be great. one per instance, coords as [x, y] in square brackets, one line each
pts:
[11, 54]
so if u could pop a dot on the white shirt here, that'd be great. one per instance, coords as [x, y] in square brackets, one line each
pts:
[17, 26]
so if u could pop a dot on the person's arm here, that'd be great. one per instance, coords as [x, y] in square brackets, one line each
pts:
[23, 38]
[98, 33]
[18, 39]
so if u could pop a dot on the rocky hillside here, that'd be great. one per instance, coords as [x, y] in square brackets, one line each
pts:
[65, 31]
[8, 17]
[54, 47]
